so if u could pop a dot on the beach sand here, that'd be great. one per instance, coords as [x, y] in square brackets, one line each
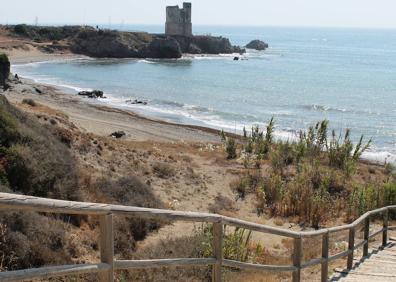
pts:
[92, 116]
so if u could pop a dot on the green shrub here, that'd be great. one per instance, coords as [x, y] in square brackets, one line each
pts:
[263, 145]
[316, 138]
[390, 169]
[34, 161]
[258, 143]
[282, 156]
[4, 59]
[343, 154]
[236, 243]
[20, 29]
[231, 148]
[247, 183]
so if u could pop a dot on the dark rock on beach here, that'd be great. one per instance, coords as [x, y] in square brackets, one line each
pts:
[92, 94]
[257, 45]
[118, 134]
[136, 102]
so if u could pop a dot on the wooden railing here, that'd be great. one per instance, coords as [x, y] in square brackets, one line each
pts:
[106, 267]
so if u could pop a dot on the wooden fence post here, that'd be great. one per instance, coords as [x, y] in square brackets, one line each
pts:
[106, 247]
[385, 226]
[217, 250]
[325, 256]
[297, 255]
[366, 236]
[351, 246]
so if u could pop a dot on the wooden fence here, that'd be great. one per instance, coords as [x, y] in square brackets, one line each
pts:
[106, 267]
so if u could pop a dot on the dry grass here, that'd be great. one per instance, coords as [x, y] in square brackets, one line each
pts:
[29, 102]
[223, 205]
[164, 170]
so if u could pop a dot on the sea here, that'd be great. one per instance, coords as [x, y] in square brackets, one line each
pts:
[347, 76]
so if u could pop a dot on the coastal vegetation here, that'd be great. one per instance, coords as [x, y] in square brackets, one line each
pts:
[295, 183]
[315, 178]
[37, 160]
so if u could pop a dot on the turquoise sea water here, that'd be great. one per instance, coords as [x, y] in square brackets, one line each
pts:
[347, 76]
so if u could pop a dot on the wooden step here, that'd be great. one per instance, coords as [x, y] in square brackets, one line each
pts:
[371, 274]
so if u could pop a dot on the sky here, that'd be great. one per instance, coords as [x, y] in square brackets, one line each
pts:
[315, 13]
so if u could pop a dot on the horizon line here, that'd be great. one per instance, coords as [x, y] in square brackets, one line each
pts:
[203, 25]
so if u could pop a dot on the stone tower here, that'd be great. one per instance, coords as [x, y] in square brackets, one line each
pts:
[178, 21]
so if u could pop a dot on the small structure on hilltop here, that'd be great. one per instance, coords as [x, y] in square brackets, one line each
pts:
[178, 21]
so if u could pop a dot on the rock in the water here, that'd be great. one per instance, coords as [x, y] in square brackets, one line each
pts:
[4, 70]
[161, 48]
[257, 45]
[236, 58]
[92, 94]
[118, 134]
[215, 45]
[136, 102]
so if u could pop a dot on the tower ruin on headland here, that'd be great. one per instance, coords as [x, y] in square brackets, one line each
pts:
[178, 21]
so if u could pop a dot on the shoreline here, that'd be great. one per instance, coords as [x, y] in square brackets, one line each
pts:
[103, 119]
[374, 157]
[88, 119]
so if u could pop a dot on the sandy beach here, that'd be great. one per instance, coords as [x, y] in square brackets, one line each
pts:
[93, 116]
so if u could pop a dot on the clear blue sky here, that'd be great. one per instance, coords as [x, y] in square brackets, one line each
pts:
[351, 13]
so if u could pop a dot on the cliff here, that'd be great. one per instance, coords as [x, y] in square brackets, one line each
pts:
[117, 44]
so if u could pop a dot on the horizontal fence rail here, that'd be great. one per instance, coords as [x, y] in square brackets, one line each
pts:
[106, 267]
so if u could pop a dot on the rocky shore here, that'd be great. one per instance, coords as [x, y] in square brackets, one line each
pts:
[98, 43]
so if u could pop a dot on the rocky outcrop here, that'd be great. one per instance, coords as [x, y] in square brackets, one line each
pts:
[4, 70]
[257, 45]
[99, 43]
[114, 44]
[205, 44]
[165, 48]
[103, 44]
[92, 94]
[215, 45]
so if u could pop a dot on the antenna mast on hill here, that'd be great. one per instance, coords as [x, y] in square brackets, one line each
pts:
[36, 21]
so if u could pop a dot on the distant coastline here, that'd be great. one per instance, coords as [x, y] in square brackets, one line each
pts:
[105, 43]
